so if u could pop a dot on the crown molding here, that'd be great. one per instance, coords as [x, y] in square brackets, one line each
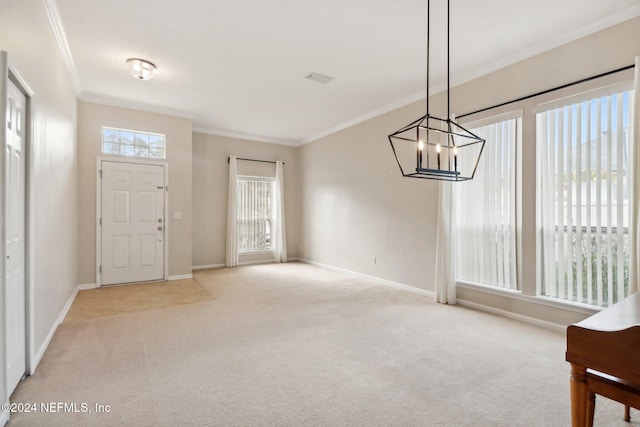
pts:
[53, 13]
[132, 105]
[611, 20]
[562, 39]
[372, 114]
[245, 136]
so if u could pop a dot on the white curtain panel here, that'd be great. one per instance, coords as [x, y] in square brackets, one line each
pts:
[232, 227]
[281, 229]
[634, 268]
[445, 283]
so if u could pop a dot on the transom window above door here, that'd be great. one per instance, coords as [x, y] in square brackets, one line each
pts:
[132, 143]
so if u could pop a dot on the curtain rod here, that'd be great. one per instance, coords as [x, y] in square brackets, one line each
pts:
[252, 160]
[628, 67]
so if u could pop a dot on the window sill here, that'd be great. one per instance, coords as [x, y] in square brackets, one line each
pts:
[540, 300]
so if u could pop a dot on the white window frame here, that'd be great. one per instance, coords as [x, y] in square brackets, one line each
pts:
[148, 134]
[529, 299]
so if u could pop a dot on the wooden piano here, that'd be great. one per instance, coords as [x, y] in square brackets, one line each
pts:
[608, 342]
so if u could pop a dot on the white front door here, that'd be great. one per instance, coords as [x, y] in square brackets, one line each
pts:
[133, 222]
[15, 178]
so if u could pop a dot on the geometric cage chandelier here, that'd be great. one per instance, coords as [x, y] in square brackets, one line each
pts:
[436, 148]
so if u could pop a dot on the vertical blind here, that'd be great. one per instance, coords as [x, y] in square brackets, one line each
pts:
[254, 214]
[486, 211]
[584, 199]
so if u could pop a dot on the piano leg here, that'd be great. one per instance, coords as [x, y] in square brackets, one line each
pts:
[591, 407]
[578, 395]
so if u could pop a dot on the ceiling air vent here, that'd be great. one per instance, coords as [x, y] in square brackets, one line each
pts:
[320, 78]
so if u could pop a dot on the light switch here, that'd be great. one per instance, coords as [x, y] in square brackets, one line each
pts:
[177, 215]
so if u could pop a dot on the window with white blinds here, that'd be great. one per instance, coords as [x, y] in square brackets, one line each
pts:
[254, 211]
[486, 210]
[584, 199]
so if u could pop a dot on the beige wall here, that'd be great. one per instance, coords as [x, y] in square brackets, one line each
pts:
[356, 206]
[91, 119]
[210, 182]
[25, 33]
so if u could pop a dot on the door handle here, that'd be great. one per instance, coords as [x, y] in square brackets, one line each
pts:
[160, 228]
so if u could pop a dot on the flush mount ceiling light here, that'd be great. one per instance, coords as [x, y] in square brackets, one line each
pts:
[141, 69]
[439, 148]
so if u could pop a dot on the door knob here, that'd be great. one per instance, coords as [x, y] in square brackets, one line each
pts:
[160, 228]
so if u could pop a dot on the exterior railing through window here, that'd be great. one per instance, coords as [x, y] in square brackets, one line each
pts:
[596, 269]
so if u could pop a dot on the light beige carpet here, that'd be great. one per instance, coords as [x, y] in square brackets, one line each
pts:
[297, 345]
[112, 300]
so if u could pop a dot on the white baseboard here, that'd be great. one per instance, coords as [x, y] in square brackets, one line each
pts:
[377, 279]
[35, 361]
[4, 417]
[259, 261]
[508, 314]
[572, 306]
[87, 286]
[206, 266]
[180, 277]
[515, 316]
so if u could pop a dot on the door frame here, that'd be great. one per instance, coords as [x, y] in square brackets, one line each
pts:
[165, 166]
[8, 71]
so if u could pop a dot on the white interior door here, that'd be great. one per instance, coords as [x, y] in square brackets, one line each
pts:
[15, 178]
[133, 222]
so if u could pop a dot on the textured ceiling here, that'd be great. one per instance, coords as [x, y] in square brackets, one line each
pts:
[237, 67]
